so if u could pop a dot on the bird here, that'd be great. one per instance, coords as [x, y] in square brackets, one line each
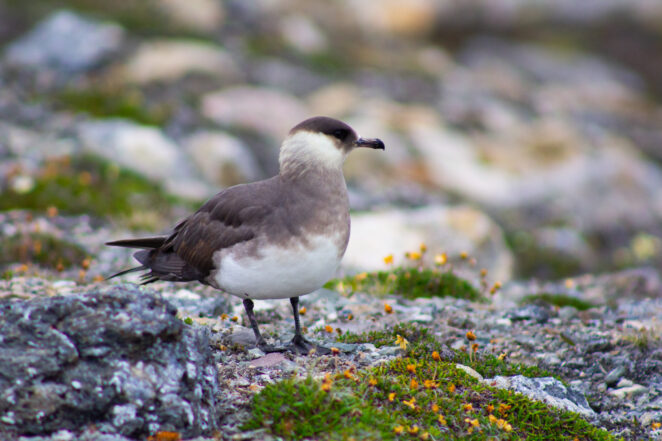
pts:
[282, 237]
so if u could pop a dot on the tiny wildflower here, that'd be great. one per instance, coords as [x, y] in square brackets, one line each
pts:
[398, 429]
[388, 308]
[328, 329]
[361, 276]
[348, 374]
[471, 336]
[51, 211]
[391, 397]
[430, 384]
[468, 407]
[442, 420]
[435, 408]
[413, 430]
[335, 351]
[85, 263]
[474, 347]
[464, 255]
[372, 382]
[165, 436]
[411, 368]
[302, 310]
[388, 259]
[411, 403]
[423, 248]
[656, 425]
[415, 255]
[436, 356]
[483, 272]
[441, 259]
[402, 342]
[502, 356]
[59, 267]
[224, 316]
[490, 408]
[451, 388]
[234, 318]
[98, 278]
[473, 422]
[507, 427]
[350, 316]
[503, 408]
[569, 283]
[425, 436]
[81, 274]
[492, 418]
[495, 288]
[413, 384]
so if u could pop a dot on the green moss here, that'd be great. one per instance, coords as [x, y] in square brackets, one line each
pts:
[40, 248]
[413, 397]
[559, 300]
[139, 16]
[411, 283]
[90, 185]
[534, 260]
[122, 103]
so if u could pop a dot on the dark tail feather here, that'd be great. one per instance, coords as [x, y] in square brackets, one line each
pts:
[127, 271]
[145, 242]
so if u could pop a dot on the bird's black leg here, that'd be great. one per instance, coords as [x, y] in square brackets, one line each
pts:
[259, 340]
[299, 344]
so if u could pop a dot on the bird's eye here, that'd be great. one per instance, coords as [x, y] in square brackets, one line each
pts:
[341, 134]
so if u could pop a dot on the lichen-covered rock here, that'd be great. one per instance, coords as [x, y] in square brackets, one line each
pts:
[117, 358]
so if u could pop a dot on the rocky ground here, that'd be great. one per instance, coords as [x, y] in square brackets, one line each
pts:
[525, 135]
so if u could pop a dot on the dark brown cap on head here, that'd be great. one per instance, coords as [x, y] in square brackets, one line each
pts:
[337, 129]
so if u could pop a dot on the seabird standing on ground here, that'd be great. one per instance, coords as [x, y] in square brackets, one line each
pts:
[279, 238]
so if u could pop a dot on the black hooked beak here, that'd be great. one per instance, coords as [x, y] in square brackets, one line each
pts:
[372, 143]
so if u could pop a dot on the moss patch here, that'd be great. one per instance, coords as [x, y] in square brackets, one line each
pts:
[410, 283]
[559, 300]
[40, 248]
[89, 185]
[114, 102]
[419, 396]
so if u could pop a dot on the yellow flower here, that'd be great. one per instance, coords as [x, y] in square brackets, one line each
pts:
[360, 276]
[492, 418]
[442, 420]
[430, 384]
[348, 374]
[372, 382]
[224, 316]
[335, 351]
[502, 356]
[423, 248]
[388, 259]
[326, 387]
[391, 396]
[302, 310]
[413, 430]
[464, 255]
[411, 368]
[413, 384]
[328, 329]
[441, 259]
[411, 403]
[402, 342]
[471, 336]
[235, 318]
[398, 430]
[425, 436]
[473, 422]
[468, 407]
[436, 356]
[490, 408]
[435, 408]
[656, 425]
[483, 272]
[451, 388]
[388, 308]
[503, 408]
[414, 255]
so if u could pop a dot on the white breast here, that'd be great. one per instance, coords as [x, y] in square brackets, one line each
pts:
[278, 273]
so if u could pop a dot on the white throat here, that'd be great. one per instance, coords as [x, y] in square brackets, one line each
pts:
[310, 149]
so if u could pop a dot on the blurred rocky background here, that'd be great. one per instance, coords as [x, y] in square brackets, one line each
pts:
[527, 134]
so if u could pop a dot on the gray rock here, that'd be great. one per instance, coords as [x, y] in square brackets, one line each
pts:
[66, 43]
[537, 313]
[117, 358]
[614, 375]
[547, 389]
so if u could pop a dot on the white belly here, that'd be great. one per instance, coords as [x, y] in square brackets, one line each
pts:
[279, 273]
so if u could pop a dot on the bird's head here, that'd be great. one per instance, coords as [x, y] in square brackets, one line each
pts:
[321, 141]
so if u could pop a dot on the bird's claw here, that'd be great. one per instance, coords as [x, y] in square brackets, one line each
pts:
[299, 345]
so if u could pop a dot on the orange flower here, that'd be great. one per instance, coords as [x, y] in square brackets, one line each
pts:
[388, 308]
[413, 384]
[413, 430]
[335, 351]
[451, 388]
[430, 384]
[471, 336]
[235, 318]
[490, 408]
[398, 430]
[435, 408]
[302, 310]
[468, 407]
[372, 382]
[328, 329]
[436, 356]
[391, 396]
[411, 368]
